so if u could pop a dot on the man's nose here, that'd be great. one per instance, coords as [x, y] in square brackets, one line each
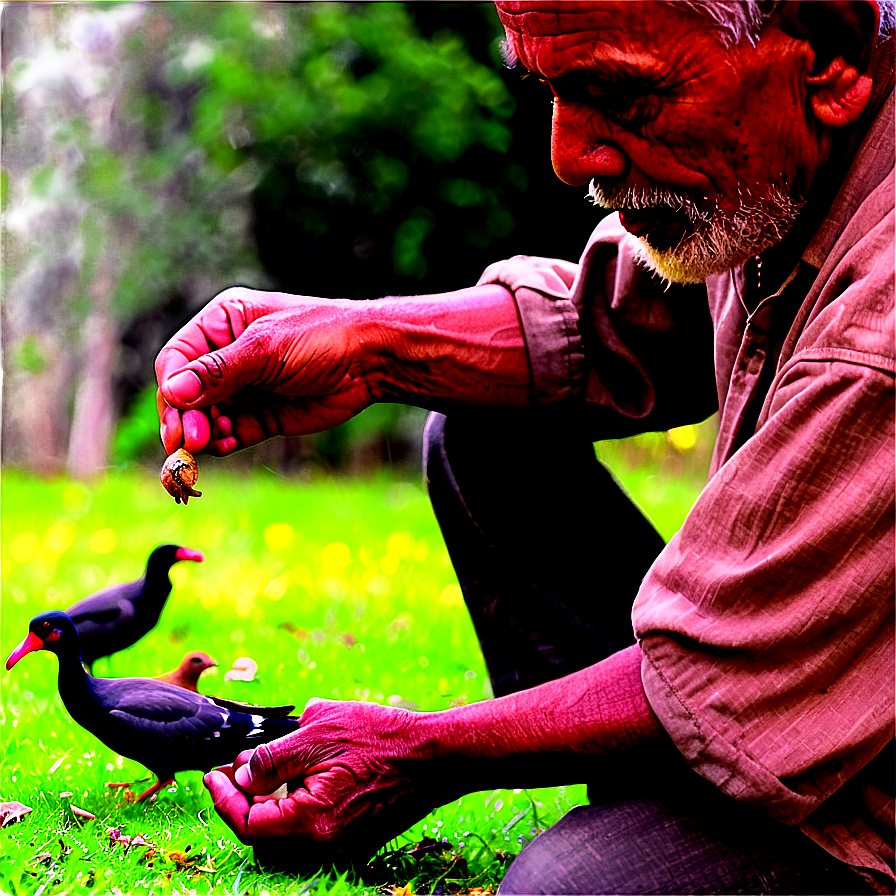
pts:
[579, 151]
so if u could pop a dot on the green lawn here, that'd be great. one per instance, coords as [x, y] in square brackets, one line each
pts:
[337, 588]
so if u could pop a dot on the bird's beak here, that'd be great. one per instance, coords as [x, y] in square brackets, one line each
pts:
[189, 554]
[30, 644]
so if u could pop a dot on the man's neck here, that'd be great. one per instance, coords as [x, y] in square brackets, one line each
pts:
[779, 261]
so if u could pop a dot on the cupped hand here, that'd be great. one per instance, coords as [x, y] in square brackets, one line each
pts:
[357, 776]
[254, 364]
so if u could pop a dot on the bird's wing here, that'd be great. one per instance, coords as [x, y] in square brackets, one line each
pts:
[103, 608]
[164, 712]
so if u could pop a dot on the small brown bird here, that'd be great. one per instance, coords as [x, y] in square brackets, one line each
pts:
[186, 675]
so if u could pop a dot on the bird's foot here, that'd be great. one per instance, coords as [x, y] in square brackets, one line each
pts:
[152, 791]
[128, 793]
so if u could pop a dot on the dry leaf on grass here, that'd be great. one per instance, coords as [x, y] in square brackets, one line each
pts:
[82, 813]
[115, 836]
[12, 811]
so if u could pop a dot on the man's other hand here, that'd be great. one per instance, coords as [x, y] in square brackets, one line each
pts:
[356, 777]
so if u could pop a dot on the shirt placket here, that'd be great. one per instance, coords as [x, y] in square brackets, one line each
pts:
[751, 375]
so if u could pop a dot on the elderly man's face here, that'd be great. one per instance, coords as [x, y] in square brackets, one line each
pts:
[705, 150]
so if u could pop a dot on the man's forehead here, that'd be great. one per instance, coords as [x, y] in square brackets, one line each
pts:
[559, 16]
[628, 35]
[655, 22]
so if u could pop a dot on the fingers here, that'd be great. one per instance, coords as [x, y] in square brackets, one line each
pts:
[288, 758]
[229, 801]
[191, 430]
[170, 429]
[211, 378]
[212, 356]
[254, 819]
[263, 772]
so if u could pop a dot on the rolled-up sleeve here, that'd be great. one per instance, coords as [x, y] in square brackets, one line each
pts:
[767, 623]
[608, 336]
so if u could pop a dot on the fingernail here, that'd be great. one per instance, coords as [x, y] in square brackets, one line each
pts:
[242, 776]
[185, 385]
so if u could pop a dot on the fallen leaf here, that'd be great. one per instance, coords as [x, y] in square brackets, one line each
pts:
[82, 813]
[244, 669]
[402, 891]
[115, 836]
[12, 811]
[294, 630]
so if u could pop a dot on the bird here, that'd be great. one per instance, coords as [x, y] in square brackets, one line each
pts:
[186, 675]
[118, 616]
[164, 727]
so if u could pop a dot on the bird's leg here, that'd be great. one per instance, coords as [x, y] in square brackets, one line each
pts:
[154, 789]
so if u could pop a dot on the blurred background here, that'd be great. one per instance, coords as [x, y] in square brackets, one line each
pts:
[156, 153]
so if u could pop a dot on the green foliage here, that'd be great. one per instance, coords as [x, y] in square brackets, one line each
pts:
[137, 432]
[29, 356]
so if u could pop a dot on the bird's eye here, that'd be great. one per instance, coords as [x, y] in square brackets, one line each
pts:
[46, 624]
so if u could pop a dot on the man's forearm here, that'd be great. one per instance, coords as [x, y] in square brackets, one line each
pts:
[547, 735]
[460, 348]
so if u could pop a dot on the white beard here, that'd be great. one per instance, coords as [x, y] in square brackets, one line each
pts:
[718, 241]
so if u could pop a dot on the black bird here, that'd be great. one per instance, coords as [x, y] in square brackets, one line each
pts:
[120, 615]
[166, 728]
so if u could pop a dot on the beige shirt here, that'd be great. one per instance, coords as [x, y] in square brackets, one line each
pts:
[767, 622]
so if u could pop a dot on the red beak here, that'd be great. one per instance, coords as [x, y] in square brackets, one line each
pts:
[31, 643]
[189, 554]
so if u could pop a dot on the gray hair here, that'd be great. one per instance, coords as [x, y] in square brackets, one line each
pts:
[742, 21]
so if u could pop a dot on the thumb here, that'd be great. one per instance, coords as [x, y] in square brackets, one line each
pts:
[216, 376]
[261, 774]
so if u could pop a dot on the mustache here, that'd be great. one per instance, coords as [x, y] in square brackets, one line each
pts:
[637, 198]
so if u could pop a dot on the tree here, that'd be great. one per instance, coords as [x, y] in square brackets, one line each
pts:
[155, 153]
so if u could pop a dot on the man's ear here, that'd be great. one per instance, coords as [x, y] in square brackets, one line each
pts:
[843, 36]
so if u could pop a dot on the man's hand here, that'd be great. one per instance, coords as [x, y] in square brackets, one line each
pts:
[357, 777]
[359, 774]
[254, 364]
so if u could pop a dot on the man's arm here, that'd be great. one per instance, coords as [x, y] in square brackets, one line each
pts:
[361, 774]
[257, 364]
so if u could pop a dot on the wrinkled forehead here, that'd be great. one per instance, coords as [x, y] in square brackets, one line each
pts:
[523, 19]
[540, 33]
[541, 19]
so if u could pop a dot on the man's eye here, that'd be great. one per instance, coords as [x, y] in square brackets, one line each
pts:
[631, 109]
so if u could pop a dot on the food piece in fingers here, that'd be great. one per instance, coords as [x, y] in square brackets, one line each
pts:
[179, 475]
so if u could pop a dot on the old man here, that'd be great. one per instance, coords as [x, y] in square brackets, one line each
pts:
[728, 697]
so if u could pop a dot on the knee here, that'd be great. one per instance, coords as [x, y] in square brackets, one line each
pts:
[568, 858]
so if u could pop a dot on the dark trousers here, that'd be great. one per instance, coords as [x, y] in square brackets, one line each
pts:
[549, 552]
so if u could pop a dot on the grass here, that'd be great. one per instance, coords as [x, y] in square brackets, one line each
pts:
[337, 588]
